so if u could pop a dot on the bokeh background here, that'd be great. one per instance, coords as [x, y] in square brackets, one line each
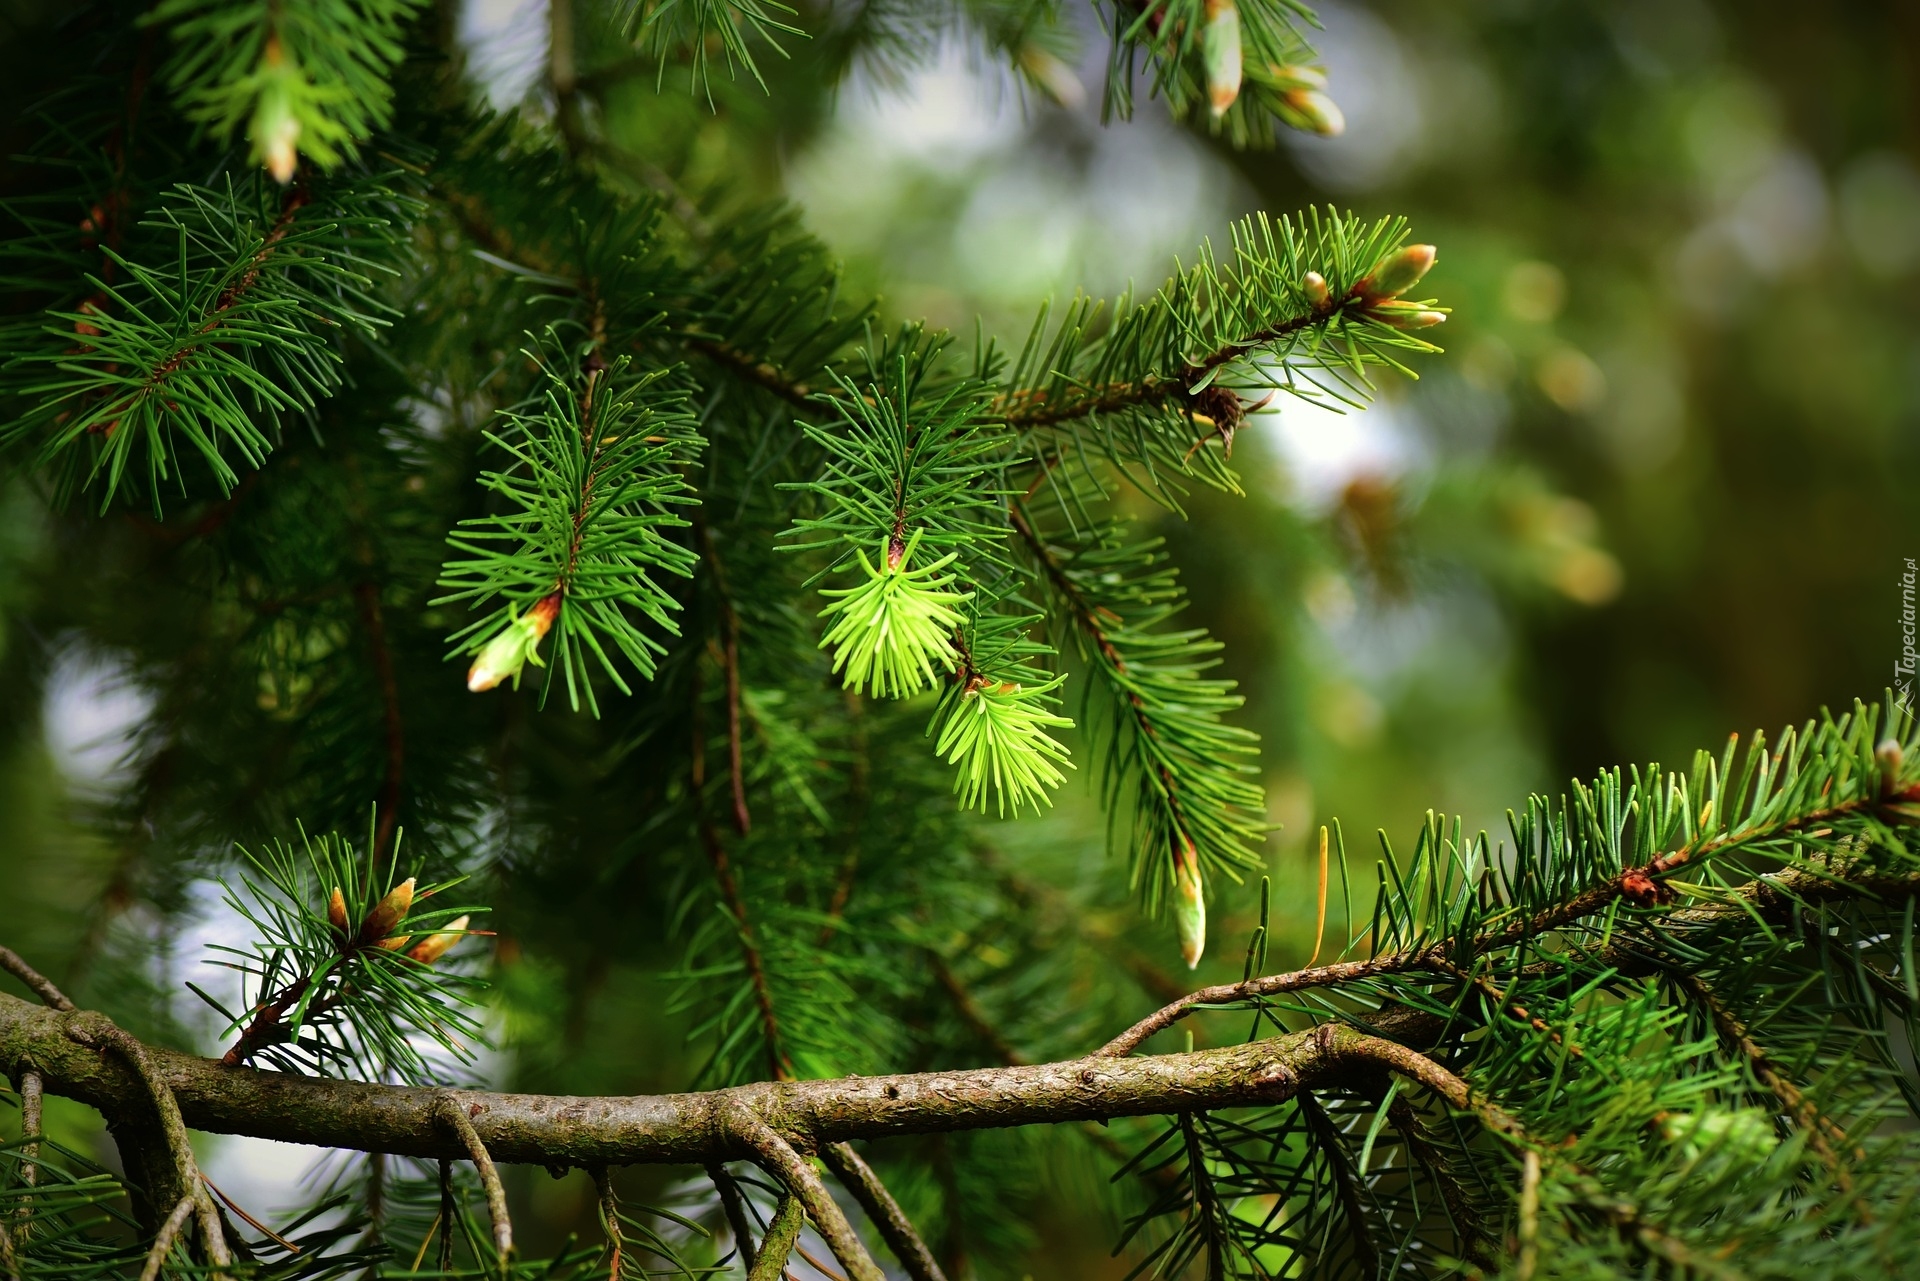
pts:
[1659, 489]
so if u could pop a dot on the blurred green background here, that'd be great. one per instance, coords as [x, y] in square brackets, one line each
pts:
[1659, 489]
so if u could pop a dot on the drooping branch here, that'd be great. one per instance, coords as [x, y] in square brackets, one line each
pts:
[895, 1228]
[99, 1033]
[458, 1115]
[734, 1205]
[163, 1240]
[770, 1263]
[777, 1155]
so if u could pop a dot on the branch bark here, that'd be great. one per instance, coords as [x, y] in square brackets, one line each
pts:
[895, 1228]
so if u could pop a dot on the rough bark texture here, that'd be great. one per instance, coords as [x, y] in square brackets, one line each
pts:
[667, 1128]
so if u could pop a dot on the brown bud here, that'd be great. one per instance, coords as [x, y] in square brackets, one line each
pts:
[434, 946]
[337, 912]
[388, 912]
[395, 943]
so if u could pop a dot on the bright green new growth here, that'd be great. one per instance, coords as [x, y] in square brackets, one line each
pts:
[894, 629]
[996, 734]
[306, 77]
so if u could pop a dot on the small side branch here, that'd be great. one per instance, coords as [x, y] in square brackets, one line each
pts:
[782, 1235]
[798, 1174]
[1822, 1132]
[163, 1241]
[98, 1031]
[42, 987]
[895, 1228]
[456, 1115]
[735, 1207]
[610, 1221]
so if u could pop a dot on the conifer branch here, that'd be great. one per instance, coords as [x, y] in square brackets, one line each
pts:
[894, 1226]
[1822, 1133]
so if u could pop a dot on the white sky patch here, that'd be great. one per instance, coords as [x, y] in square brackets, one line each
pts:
[1322, 450]
[91, 710]
[947, 111]
[506, 44]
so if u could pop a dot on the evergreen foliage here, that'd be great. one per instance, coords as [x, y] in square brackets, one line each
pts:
[413, 376]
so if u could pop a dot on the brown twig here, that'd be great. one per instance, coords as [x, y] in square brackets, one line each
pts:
[1027, 410]
[1631, 885]
[456, 1115]
[248, 1219]
[609, 1220]
[1486, 987]
[735, 1207]
[783, 1234]
[780, 1160]
[31, 1091]
[895, 1228]
[163, 1240]
[37, 982]
[1822, 1131]
[448, 1211]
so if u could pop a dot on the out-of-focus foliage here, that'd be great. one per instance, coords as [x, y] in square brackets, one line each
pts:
[1661, 487]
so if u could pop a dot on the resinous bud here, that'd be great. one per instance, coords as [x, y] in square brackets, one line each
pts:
[1220, 49]
[337, 912]
[1189, 904]
[1397, 273]
[1888, 753]
[1314, 285]
[434, 946]
[1403, 315]
[1290, 78]
[387, 913]
[1313, 111]
[516, 644]
[275, 129]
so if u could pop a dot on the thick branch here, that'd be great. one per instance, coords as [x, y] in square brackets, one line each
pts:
[669, 1128]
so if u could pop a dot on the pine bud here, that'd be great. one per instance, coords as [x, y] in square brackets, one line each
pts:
[517, 644]
[1404, 315]
[1189, 904]
[1313, 111]
[387, 913]
[1397, 274]
[1889, 755]
[1289, 79]
[276, 129]
[1315, 287]
[395, 943]
[1220, 49]
[434, 946]
[337, 912]
[1055, 78]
